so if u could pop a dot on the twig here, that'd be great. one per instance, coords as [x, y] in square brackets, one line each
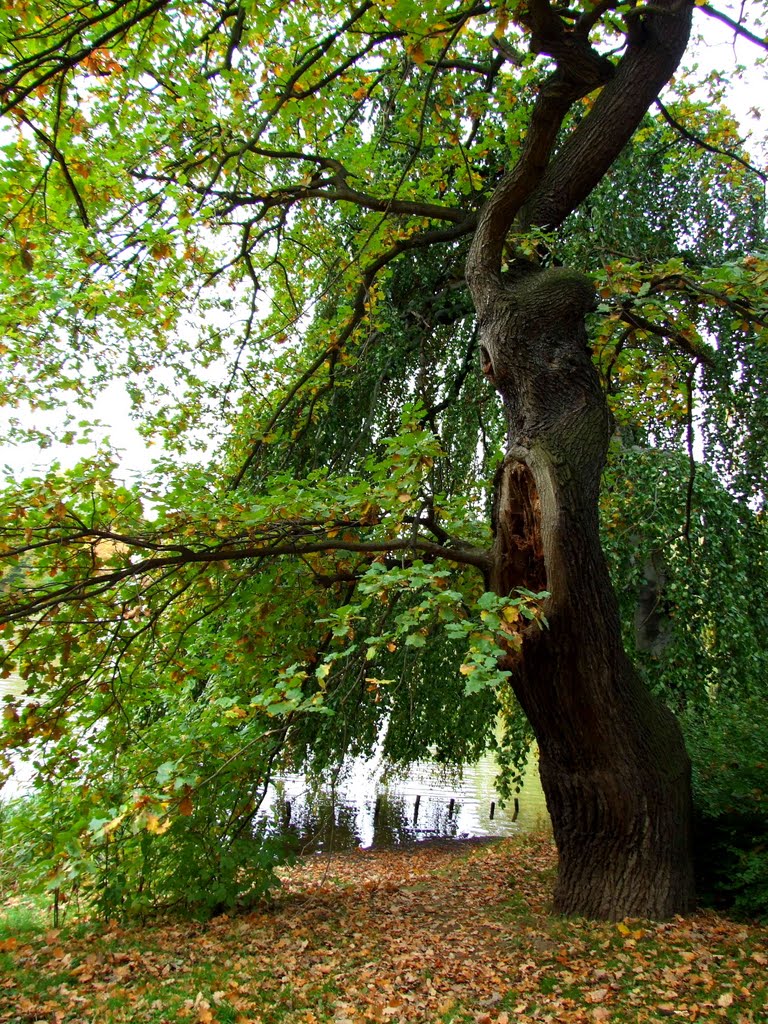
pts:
[698, 141]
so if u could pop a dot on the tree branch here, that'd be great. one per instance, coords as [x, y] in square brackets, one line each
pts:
[579, 70]
[13, 610]
[737, 27]
[66, 63]
[703, 144]
[426, 238]
[657, 41]
[58, 156]
[682, 342]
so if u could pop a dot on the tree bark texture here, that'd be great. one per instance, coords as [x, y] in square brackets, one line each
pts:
[614, 768]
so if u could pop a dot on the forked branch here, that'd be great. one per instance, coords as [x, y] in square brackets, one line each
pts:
[542, 189]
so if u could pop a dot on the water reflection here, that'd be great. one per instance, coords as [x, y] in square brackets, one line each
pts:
[370, 806]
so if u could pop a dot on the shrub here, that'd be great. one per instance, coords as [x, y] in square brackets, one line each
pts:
[728, 744]
[126, 866]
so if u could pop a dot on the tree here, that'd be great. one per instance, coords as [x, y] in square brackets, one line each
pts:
[259, 220]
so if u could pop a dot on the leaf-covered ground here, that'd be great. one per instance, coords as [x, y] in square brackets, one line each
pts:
[452, 933]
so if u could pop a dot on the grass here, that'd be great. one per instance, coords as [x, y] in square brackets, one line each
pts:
[21, 917]
[453, 934]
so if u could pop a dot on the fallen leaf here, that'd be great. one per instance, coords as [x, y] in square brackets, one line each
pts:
[597, 995]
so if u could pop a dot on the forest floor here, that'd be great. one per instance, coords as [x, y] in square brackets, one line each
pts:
[448, 932]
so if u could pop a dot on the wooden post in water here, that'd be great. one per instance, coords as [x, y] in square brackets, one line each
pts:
[376, 809]
[450, 808]
[287, 814]
[493, 809]
[416, 810]
[517, 809]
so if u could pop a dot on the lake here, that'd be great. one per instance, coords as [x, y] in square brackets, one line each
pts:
[373, 804]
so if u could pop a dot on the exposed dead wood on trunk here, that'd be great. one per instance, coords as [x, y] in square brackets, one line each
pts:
[613, 764]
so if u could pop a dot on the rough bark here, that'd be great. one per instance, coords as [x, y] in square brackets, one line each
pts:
[614, 768]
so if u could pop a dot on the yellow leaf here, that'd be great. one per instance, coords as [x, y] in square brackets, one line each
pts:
[160, 251]
[111, 826]
[501, 24]
[417, 54]
[156, 826]
[466, 669]
[511, 613]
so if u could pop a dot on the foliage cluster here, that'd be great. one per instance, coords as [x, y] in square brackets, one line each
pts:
[729, 749]
[151, 772]
[255, 219]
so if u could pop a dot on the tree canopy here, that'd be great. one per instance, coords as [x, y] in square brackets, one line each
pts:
[256, 219]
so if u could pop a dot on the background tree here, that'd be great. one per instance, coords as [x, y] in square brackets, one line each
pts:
[258, 220]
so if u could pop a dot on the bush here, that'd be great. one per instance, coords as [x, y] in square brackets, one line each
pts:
[126, 866]
[728, 744]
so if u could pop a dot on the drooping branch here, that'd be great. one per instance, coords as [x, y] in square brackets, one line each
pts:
[60, 159]
[697, 140]
[684, 344]
[424, 239]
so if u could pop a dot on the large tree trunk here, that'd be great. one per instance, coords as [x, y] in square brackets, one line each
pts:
[613, 765]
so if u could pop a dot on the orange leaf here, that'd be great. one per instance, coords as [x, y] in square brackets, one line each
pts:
[417, 54]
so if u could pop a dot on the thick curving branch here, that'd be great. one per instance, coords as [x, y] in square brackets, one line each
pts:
[43, 599]
[579, 70]
[657, 39]
[542, 188]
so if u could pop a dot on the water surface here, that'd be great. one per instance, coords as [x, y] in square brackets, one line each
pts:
[370, 805]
